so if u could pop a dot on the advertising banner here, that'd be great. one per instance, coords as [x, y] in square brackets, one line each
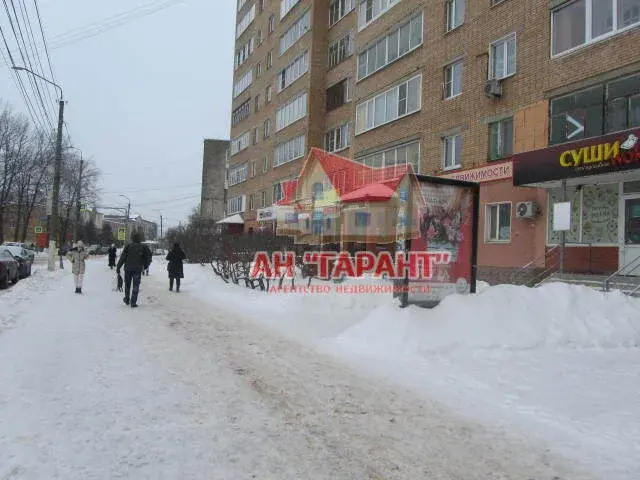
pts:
[448, 225]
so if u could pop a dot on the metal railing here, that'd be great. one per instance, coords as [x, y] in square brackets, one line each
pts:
[606, 281]
[535, 277]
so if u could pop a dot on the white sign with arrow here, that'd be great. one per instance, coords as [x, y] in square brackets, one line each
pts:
[579, 128]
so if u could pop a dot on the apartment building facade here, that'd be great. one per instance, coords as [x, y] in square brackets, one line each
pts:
[457, 88]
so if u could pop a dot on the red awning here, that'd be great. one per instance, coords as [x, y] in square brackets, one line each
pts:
[374, 192]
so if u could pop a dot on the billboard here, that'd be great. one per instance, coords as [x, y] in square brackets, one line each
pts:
[448, 215]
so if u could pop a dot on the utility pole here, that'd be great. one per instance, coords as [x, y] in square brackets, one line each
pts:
[79, 200]
[160, 226]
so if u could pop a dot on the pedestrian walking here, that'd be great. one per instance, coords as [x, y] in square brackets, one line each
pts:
[112, 256]
[176, 271]
[135, 258]
[77, 256]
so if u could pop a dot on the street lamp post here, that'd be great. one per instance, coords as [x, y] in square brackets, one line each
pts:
[128, 216]
[79, 195]
[52, 219]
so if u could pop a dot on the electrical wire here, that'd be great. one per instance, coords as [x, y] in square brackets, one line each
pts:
[44, 40]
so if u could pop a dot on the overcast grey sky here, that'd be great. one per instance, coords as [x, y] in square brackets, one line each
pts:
[141, 96]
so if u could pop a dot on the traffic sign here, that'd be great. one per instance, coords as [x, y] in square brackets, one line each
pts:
[38, 229]
[122, 234]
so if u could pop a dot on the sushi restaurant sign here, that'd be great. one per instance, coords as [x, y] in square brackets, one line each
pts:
[610, 153]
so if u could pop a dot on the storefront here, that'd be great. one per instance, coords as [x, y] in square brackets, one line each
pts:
[266, 218]
[600, 177]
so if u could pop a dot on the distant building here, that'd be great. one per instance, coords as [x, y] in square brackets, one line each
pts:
[214, 165]
[136, 222]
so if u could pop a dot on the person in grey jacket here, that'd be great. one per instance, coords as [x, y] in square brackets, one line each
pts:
[78, 256]
[135, 258]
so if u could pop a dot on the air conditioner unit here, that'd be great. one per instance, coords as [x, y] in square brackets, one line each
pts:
[526, 209]
[493, 88]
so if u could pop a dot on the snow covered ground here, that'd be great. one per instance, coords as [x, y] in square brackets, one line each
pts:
[508, 384]
[560, 363]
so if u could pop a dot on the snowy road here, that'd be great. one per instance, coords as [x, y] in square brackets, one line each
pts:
[90, 389]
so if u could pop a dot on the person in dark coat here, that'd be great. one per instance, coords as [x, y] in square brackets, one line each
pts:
[112, 256]
[135, 257]
[176, 271]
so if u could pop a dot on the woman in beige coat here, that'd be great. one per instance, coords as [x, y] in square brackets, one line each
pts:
[77, 256]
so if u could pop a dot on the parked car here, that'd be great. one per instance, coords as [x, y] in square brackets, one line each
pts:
[23, 258]
[32, 253]
[9, 268]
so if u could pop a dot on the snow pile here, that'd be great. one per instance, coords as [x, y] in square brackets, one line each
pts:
[504, 317]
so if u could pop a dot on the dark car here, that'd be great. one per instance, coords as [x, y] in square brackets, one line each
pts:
[24, 260]
[9, 268]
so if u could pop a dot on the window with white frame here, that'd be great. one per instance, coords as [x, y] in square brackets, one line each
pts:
[338, 94]
[338, 9]
[292, 72]
[243, 53]
[502, 57]
[272, 24]
[393, 46]
[253, 168]
[498, 222]
[252, 205]
[338, 138]
[246, 21]
[259, 37]
[501, 139]
[234, 205]
[395, 156]
[265, 164]
[267, 94]
[241, 3]
[454, 14]
[254, 135]
[370, 10]
[453, 79]
[243, 83]
[286, 6]
[267, 128]
[295, 32]
[292, 111]
[258, 69]
[240, 142]
[390, 105]
[278, 192]
[452, 150]
[290, 150]
[263, 199]
[341, 49]
[240, 113]
[269, 59]
[237, 174]
[584, 21]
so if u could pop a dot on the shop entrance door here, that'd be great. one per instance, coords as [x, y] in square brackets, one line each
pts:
[630, 249]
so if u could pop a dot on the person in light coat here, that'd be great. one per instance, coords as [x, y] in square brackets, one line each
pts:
[78, 256]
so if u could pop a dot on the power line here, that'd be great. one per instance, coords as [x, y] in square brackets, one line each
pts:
[152, 189]
[44, 40]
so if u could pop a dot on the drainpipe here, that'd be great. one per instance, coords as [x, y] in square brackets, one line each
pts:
[563, 234]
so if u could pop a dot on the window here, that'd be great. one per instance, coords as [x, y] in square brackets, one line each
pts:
[317, 191]
[623, 104]
[338, 138]
[454, 14]
[291, 112]
[243, 53]
[251, 202]
[243, 83]
[453, 79]
[391, 157]
[237, 174]
[278, 192]
[259, 37]
[290, 150]
[272, 24]
[257, 103]
[258, 70]
[253, 168]
[241, 4]
[338, 95]
[502, 57]
[267, 94]
[370, 10]
[286, 6]
[452, 147]
[240, 113]
[254, 135]
[362, 219]
[263, 199]
[245, 21]
[501, 139]
[585, 21]
[388, 49]
[397, 102]
[269, 59]
[498, 222]
[265, 164]
[295, 32]
[338, 9]
[235, 205]
[267, 128]
[341, 49]
[239, 143]
[296, 69]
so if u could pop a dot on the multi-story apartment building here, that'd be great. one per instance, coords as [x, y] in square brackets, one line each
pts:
[457, 88]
